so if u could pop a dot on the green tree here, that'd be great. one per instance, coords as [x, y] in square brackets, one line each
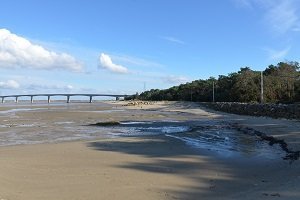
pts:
[246, 86]
[280, 82]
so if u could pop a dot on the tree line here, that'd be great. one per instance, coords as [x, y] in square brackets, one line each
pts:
[281, 84]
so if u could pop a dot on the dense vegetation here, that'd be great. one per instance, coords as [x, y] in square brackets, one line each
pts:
[281, 84]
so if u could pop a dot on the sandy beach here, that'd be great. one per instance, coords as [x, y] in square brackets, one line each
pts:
[59, 162]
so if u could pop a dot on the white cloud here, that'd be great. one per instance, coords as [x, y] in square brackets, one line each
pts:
[130, 60]
[173, 39]
[175, 79]
[106, 63]
[47, 87]
[276, 55]
[69, 87]
[18, 52]
[281, 16]
[10, 84]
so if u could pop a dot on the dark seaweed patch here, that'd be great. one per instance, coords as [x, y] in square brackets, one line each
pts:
[109, 123]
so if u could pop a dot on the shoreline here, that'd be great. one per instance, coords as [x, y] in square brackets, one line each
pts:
[148, 167]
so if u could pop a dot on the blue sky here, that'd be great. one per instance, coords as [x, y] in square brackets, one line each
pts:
[115, 46]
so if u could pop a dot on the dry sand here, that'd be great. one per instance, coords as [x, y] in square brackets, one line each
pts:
[153, 167]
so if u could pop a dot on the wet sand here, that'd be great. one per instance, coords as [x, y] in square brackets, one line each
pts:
[148, 167]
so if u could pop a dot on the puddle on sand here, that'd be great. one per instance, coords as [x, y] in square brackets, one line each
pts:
[229, 143]
[210, 135]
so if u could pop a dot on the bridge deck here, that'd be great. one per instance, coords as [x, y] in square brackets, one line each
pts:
[117, 96]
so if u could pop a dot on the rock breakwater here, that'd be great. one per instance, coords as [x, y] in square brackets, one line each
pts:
[287, 111]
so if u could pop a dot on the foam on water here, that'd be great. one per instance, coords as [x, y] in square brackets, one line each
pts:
[62, 123]
[133, 123]
[101, 111]
[143, 128]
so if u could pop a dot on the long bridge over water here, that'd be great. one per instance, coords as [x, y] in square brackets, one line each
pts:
[68, 96]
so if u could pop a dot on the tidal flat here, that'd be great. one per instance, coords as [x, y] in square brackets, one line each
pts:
[163, 150]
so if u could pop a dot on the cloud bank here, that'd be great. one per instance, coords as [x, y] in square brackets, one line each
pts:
[18, 52]
[106, 63]
[49, 87]
[10, 84]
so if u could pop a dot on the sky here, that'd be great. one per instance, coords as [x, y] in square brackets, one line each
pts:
[126, 46]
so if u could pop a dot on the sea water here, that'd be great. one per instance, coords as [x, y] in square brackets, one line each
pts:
[211, 135]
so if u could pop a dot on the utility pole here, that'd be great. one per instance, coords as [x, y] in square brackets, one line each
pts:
[213, 92]
[261, 87]
[191, 94]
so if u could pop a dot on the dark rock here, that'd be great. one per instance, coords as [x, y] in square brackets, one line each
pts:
[109, 123]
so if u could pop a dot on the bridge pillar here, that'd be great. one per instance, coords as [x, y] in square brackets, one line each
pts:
[68, 99]
[91, 99]
[117, 98]
[17, 100]
[2, 99]
[49, 99]
[31, 99]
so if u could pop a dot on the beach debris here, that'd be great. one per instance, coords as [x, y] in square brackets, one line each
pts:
[139, 103]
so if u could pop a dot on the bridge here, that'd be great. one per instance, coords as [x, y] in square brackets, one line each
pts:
[68, 96]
